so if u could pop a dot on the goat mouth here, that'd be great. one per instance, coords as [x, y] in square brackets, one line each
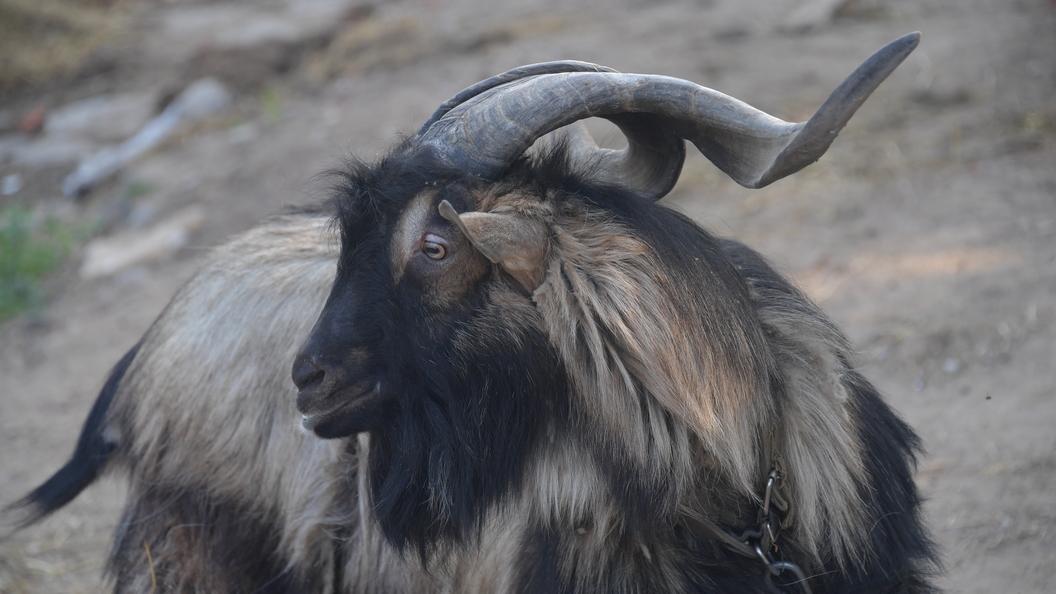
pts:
[324, 423]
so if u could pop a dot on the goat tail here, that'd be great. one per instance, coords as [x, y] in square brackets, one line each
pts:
[90, 457]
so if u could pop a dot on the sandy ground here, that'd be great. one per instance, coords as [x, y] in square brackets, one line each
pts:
[928, 231]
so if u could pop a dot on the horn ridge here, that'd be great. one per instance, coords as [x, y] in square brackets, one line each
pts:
[508, 77]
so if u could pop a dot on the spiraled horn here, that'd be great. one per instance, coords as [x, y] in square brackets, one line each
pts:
[488, 126]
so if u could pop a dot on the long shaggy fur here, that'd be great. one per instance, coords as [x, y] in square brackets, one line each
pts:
[558, 441]
[226, 492]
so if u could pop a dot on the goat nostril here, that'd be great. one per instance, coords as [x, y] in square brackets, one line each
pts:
[306, 372]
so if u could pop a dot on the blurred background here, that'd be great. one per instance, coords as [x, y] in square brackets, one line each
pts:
[135, 134]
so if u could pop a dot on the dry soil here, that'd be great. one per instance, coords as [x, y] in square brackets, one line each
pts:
[928, 231]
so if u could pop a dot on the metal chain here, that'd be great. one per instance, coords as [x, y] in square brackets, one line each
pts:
[758, 541]
[764, 537]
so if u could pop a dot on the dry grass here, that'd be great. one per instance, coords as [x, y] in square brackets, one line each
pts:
[43, 39]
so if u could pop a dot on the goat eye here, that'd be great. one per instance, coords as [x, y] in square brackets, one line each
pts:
[434, 250]
[434, 247]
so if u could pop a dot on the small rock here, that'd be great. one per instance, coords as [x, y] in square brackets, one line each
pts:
[201, 99]
[103, 118]
[46, 151]
[110, 255]
[810, 16]
[261, 31]
[735, 34]
[11, 184]
[32, 121]
[229, 25]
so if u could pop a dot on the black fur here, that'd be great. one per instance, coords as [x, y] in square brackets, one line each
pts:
[189, 542]
[902, 551]
[454, 428]
[89, 458]
[705, 567]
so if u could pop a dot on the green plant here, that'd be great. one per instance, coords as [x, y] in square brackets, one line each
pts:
[137, 188]
[271, 104]
[27, 254]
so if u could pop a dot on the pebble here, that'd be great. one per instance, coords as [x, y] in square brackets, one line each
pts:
[44, 151]
[810, 16]
[32, 120]
[200, 100]
[102, 118]
[108, 256]
[11, 184]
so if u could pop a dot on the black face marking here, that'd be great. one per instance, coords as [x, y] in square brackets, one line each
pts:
[418, 346]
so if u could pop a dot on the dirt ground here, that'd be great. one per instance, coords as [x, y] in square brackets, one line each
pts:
[928, 231]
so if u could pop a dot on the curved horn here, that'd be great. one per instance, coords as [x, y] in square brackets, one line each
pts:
[508, 77]
[650, 164]
[487, 131]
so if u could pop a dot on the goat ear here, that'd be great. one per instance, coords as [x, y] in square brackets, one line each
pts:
[513, 241]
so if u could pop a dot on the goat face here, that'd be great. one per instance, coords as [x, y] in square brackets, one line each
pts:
[431, 348]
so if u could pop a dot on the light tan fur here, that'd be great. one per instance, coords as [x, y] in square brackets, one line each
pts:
[208, 406]
[409, 230]
[658, 383]
[818, 438]
[200, 384]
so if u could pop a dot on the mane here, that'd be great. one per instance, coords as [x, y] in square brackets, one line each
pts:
[688, 353]
[657, 371]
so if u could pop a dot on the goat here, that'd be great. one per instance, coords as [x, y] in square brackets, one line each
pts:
[559, 386]
[566, 387]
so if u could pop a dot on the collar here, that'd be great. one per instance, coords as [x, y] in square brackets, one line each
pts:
[758, 541]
